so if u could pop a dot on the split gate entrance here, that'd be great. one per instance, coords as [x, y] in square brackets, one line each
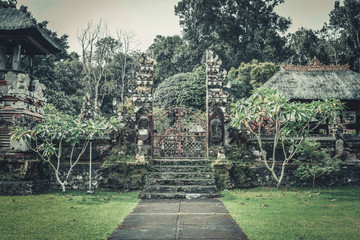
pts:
[179, 133]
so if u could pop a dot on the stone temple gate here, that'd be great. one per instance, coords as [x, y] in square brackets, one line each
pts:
[179, 132]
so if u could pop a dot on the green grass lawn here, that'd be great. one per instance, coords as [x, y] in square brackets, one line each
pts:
[70, 215]
[263, 213]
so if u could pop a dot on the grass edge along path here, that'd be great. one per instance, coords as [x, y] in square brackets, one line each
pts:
[70, 215]
[323, 213]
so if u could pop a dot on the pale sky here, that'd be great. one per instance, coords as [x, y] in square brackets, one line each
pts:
[148, 18]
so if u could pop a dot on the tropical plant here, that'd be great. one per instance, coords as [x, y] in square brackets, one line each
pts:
[314, 162]
[268, 110]
[58, 131]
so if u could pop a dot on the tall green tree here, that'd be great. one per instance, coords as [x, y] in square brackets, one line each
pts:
[333, 44]
[65, 91]
[249, 76]
[8, 4]
[347, 18]
[237, 30]
[172, 55]
[304, 45]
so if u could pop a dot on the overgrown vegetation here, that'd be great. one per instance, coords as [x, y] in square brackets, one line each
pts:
[314, 162]
[267, 111]
[71, 215]
[48, 139]
[323, 214]
[249, 76]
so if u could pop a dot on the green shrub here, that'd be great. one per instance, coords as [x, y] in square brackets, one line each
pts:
[314, 162]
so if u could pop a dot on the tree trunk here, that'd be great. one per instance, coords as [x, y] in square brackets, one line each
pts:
[63, 188]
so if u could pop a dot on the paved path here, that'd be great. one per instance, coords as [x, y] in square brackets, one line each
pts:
[179, 219]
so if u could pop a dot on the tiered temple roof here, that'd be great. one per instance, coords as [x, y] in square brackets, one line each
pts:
[17, 26]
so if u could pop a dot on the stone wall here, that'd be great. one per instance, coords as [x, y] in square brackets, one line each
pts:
[248, 177]
[117, 176]
[23, 187]
[22, 176]
[79, 177]
[222, 171]
[123, 176]
[245, 174]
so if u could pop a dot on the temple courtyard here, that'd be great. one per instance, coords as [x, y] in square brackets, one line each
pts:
[262, 213]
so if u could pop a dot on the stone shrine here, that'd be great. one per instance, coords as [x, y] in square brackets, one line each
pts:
[143, 101]
[21, 97]
[20, 94]
[217, 99]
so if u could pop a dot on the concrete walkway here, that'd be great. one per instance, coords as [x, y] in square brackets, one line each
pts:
[179, 219]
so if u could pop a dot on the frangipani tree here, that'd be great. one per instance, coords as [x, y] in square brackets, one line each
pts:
[49, 138]
[268, 110]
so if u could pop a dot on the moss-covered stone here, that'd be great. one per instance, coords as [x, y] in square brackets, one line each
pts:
[123, 175]
[223, 179]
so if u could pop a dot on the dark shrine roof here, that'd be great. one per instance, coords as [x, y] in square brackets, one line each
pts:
[316, 81]
[15, 25]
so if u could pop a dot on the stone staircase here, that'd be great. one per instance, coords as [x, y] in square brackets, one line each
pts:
[179, 179]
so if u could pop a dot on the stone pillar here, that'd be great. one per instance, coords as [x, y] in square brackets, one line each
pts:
[16, 58]
[217, 99]
[143, 101]
[2, 57]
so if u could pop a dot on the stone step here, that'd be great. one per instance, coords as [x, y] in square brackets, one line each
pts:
[180, 189]
[146, 195]
[175, 168]
[181, 175]
[180, 162]
[177, 182]
[179, 178]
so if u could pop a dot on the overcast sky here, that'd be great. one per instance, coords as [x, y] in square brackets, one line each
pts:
[148, 18]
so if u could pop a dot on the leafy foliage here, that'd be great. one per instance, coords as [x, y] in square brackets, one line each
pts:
[269, 111]
[347, 19]
[314, 162]
[8, 4]
[167, 94]
[238, 31]
[49, 138]
[183, 89]
[304, 44]
[193, 90]
[172, 56]
[249, 76]
[61, 72]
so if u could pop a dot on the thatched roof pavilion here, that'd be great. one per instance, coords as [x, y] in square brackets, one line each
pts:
[21, 96]
[316, 81]
[16, 27]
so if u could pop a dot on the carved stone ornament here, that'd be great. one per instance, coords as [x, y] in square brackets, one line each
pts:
[316, 65]
[143, 128]
[216, 130]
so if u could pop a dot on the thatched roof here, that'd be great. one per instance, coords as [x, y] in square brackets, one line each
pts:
[316, 81]
[15, 25]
